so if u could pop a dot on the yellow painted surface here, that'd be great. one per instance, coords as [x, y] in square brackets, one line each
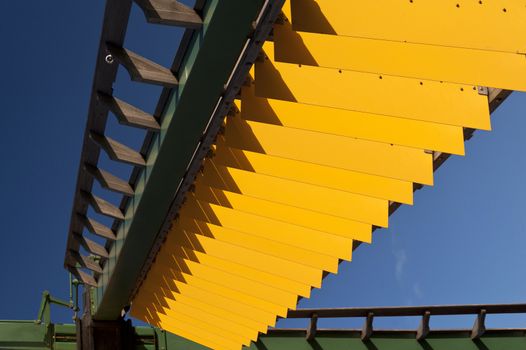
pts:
[270, 248]
[439, 22]
[311, 173]
[376, 158]
[497, 69]
[446, 103]
[367, 126]
[296, 216]
[260, 319]
[316, 198]
[302, 237]
[243, 256]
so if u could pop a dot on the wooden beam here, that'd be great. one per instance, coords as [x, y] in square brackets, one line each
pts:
[109, 181]
[102, 207]
[117, 151]
[170, 12]
[97, 228]
[82, 276]
[128, 114]
[91, 246]
[84, 261]
[142, 69]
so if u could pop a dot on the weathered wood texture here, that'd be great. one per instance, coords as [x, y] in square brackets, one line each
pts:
[128, 114]
[142, 69]
[91, 246]
[102, 207]
[117, 151]
[109, 181]
[170, 12]
[97, 228]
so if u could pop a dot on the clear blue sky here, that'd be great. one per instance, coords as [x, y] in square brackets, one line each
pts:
[462, 242]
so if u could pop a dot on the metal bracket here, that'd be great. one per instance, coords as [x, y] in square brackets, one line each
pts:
[423, 328]
[483, 90]
[367, 330]
[311, 331]
[479, 327]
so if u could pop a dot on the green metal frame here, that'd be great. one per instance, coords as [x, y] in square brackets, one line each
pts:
[210, 58]
[28, 335]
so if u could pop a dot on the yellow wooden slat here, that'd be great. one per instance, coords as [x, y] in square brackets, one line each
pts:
[336, 178]
[296, 216]
[257, 261]
[302, 237]
[154, 286]
[459, 23]
[223, 278]
[367, 126]
[179, 269]
[321, 199]
[458, 65]
[212, 319]
[399, 162]
[446, 103]
[200, 335]
[309, 262]
[178, 278]
[257, 318]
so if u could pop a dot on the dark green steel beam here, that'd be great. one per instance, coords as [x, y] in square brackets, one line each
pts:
[210, 59]
[29, 335]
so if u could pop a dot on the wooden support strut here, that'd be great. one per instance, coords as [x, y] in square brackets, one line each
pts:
[82, 276]
[479, 327]
[170, 12]
[102, 207]
[97, 228]
[311, 331]
[367, 330]
[142, 69]
[109, 181]
[91, 246]
[423, 328]
[84, 261]
[117, 151]
[128, 114]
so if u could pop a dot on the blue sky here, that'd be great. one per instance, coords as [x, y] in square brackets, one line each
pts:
[462, 242]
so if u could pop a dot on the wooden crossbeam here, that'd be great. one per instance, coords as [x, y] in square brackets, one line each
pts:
[82, 276]
[102, 207]
[84, 261]
[170, 12]
[97, 228]
[91, 246]
[128, 114]
[109, 181]
[117, 151]
[142, 69]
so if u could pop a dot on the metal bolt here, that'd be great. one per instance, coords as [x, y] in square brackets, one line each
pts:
[109, 59]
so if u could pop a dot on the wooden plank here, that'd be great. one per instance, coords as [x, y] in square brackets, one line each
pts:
[115, 22]
[97, 228]
[109, 181]
[117, 151]
[170, 12]
[84, 261]
[82, 276]
[142, 69]
[91, 246]
[102, 207]
[127, 114]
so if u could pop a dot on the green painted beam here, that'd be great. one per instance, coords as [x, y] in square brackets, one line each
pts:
[28, 335]
[210, 58]
[392, 340]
